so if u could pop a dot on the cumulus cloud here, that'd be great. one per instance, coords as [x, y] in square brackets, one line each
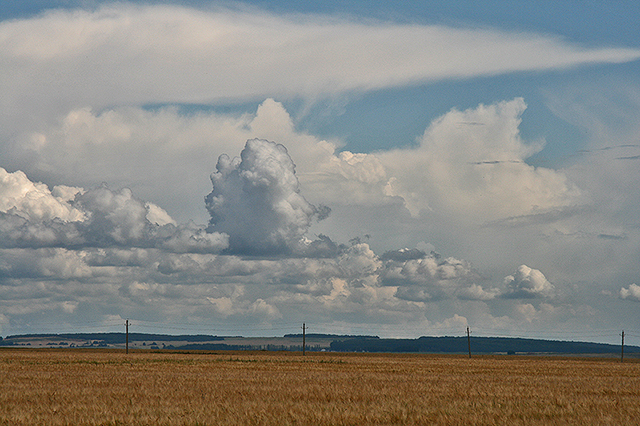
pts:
[110, 244]
[190, 238]
[51, 263]
[33, 216]
[116, 217]
[526, 311]
[419, 276]
[476, 292]
[104, 62]
[472, 165]
[138, 148]
[631, 293]
[256, 200]
[467, 173]
[34, 201]
[528, 283]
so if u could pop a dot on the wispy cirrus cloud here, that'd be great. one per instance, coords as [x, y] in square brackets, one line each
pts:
[143, 54]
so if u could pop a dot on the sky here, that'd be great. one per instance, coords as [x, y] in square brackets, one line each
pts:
[400, 169]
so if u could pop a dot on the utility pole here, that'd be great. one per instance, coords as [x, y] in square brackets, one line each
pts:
[622, 348]
[126, 323]
[304, 339]
[469, 341]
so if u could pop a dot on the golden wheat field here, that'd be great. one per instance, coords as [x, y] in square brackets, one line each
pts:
[93, 387]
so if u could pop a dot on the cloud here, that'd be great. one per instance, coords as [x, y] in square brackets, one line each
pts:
[190, 238]
[137, 148]
[476, 292]
[127, 95]
[47, 263]
[447, 173]
[330, 287]
[69, 248]
[423, 277]
[186, 269]
[33, 216]
[526, 311]
[34, 201]
[528, 283]
[631, 293]
[160, 53]
[437, 179]
[256, 200]
[116, 217]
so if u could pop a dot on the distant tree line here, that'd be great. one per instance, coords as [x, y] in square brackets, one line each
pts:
[113, 338]
[332, 336]
[340, 343]
[478, 345]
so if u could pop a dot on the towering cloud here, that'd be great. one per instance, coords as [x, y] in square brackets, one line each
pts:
[256, 200]
[528, 283]
[471, 164]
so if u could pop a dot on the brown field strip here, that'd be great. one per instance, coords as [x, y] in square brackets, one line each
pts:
[95, 387]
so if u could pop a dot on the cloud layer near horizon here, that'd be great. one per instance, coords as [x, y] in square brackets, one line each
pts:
[67, 252]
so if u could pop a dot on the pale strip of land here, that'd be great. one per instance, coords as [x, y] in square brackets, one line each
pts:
[106, 387]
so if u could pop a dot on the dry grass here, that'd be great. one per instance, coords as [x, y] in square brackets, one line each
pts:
[74, 387]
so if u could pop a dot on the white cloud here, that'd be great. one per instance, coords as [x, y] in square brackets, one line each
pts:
[256, 200]
[34, 201]
[471, 164]
[157, 215]
[130, 256]
[528, 283]
[222, 305]
[476, 292]
[145, 150]
[462, 170]
[456, 322]
[425, 277]
[631, 293]
[69, 307]
[122, 53]
[526, 311]
[265, 310]
[61, 264]
[191, 238]
[177, 269]
[33, 216]
[44, 263]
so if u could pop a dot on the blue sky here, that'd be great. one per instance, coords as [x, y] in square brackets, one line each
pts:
[407, 168]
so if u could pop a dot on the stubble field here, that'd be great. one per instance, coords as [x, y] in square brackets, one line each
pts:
[93, 387]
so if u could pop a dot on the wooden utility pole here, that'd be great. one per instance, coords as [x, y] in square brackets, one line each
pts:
[622, 348]
[126, 323]
[469, 341]
[304, 339]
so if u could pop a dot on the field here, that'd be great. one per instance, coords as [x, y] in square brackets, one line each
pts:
[102, 387]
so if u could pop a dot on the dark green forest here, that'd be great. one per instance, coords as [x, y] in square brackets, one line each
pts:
[341, 343]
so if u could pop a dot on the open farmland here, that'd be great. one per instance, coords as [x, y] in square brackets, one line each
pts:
[102, 387]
